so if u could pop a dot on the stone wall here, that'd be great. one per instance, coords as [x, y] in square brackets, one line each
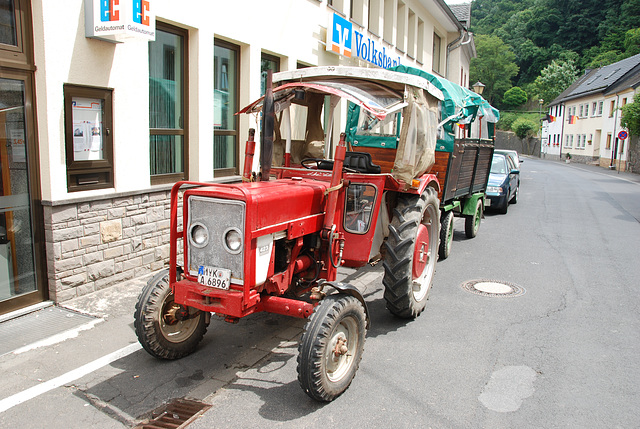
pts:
[91, 245]
[508, 140]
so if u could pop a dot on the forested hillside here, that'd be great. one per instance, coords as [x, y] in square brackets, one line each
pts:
[541, 46]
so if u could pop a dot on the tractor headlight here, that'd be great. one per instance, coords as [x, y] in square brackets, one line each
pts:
[199, 235]
[233, 240]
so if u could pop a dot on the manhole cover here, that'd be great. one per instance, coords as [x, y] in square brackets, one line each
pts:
[493, 288]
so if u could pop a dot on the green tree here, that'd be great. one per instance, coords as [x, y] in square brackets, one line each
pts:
[554, 79]
[632, 42]
[630, 117]
[494, 66]
[525, 129]
[514, 97]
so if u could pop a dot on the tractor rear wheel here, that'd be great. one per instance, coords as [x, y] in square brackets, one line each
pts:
[446, 236]
[472, 223]
[165, 329]
[412, 250]
[331, 347]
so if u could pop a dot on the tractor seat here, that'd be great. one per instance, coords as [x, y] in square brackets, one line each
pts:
[357, 161]
[361, 162]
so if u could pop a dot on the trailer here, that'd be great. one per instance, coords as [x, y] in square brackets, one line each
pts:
[462, 165]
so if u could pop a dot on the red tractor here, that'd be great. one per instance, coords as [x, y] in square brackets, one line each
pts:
[276, 244]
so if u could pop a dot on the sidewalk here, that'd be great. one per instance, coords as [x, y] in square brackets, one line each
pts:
[98, 375]
[631, 177]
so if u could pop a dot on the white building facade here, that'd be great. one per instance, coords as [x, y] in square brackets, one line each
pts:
[121, 99]
[583, 122]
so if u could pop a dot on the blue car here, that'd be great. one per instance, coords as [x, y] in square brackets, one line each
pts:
[504, 183]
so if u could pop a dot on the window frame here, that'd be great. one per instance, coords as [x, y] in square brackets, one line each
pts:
[84, 175]
[20, 55]
[157, 179]
[230, 171]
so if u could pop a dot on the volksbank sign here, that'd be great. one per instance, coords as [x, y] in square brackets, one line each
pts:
[344, 40]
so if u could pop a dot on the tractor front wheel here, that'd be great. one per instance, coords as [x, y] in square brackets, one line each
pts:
[412, 250]
[165, 329]
[331, 347]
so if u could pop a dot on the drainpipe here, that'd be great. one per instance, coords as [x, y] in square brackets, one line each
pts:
[450, 47]
[615, 137]
[564, 113]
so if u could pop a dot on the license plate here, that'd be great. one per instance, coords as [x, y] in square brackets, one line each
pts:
[219, 278]
[487, 202]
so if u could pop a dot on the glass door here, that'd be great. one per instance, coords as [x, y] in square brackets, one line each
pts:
[17, 262]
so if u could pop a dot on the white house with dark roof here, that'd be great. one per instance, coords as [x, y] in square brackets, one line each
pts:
[587, 115]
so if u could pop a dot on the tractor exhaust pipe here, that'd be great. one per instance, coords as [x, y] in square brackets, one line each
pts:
[249, 151]
[268, 120]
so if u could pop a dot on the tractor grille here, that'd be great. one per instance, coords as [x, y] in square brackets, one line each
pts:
[218, 216]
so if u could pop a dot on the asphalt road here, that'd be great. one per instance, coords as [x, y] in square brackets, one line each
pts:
[563, 354]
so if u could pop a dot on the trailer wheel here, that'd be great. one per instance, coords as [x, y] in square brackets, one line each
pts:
[165, 329]
[412, 248]
[472, 223]
[331, 347]
[446, 236]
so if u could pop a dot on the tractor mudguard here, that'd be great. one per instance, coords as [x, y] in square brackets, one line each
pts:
[348, 289]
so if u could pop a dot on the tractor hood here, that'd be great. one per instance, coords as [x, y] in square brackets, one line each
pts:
[271, 204]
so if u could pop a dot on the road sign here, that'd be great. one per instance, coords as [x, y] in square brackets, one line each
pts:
[622, 135]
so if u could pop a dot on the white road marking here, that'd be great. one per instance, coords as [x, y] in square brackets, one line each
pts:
[70, 376]
[58, 338]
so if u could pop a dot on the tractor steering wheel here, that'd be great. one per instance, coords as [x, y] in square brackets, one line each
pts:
[305, 161]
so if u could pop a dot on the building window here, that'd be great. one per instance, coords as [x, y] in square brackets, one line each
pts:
[411, 34]
[389, 20]
[586, 110]
[624, 102]
[268, 62]
[226, 59]
[358, 11]
[401, 27]
[437, 42]
[374, 16]
[612, 108]
[338, 5]
[608, 144]
[168, 113]
[600, 107]
[581, 110]
[420, 42]
[593, 108]
[88, 119]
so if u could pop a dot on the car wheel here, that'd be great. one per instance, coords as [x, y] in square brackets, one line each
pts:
[514, 199]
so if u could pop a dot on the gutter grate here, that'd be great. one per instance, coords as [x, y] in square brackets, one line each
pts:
[175, 415]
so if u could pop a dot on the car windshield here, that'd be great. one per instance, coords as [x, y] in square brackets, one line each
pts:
[498, 165]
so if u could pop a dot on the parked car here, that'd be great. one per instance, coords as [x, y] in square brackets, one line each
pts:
[511, 154]
[504, 183]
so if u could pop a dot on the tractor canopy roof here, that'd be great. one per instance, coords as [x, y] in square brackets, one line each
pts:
[460, 104]
[378, 91]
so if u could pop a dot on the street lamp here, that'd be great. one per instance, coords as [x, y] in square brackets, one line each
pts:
[478, 87]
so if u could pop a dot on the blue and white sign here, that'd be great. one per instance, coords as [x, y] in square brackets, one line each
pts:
[120, 20]
[344, 40]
